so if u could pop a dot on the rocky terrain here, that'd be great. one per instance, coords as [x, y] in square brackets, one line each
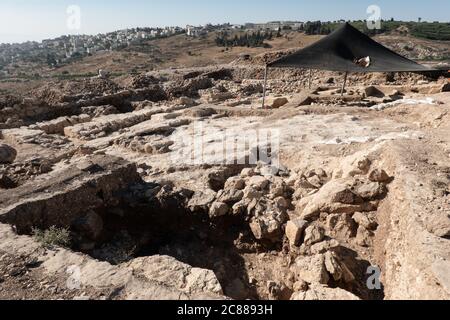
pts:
[127, 188]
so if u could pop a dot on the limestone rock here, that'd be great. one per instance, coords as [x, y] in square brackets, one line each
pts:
[370, 191]
[364, 237]
[93, 273]
[214, 96]
[258, 182]
[251, 193]
[173, 273]
[333, 197]
[239, 208]
[323, 293]
[201, 200]
[315, 181]
[277, 190]
[230, 196]
[268, 220]
[337, 268]
[357, 164]
[186, 101]
[200, 112]
[87, 165]
[311, 269]
[300, 285]
[305, 101]
[218, 209]
[278, 102]
[439, 225]
[378, 175]
[235, 183]
[367, 220]
[281, 202]
[323, 246]
[340, 226]
[294, 231]
[314, 234]
[189, 87]
[372, 91]
[247, 172]
[266, 228]
[304, 183]
[345, 196]
[149, 278]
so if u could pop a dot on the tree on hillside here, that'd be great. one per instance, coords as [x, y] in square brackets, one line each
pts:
[254, 39]
[51, 60]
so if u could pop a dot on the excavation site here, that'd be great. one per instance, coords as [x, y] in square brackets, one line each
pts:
[248, 180]
[138, 212]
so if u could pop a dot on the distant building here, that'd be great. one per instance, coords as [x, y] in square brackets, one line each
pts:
[274, 25]
[297, 25]
[193, 31]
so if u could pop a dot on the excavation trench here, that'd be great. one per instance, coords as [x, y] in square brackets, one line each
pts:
[132, 230]
[138, 227]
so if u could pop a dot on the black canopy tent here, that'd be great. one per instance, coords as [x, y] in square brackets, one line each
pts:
[346, 50]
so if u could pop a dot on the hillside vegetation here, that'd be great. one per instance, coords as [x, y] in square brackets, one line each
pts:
[427, 30]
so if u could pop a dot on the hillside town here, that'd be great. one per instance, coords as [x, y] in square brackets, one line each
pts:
[69, 47]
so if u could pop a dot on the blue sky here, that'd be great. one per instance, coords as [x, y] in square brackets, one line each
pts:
[22, 20]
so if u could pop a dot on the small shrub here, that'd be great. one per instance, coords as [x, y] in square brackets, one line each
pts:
[53, 237]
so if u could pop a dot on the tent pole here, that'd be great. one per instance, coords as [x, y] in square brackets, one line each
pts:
[310, 76]
[265, 87]
[343, 85]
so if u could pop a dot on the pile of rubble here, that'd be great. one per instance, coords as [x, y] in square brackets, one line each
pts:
[314, 213]
[261, 201]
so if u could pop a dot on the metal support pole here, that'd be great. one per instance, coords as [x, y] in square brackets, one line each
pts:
[265, 87]
[309, 81]
[343, 85]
